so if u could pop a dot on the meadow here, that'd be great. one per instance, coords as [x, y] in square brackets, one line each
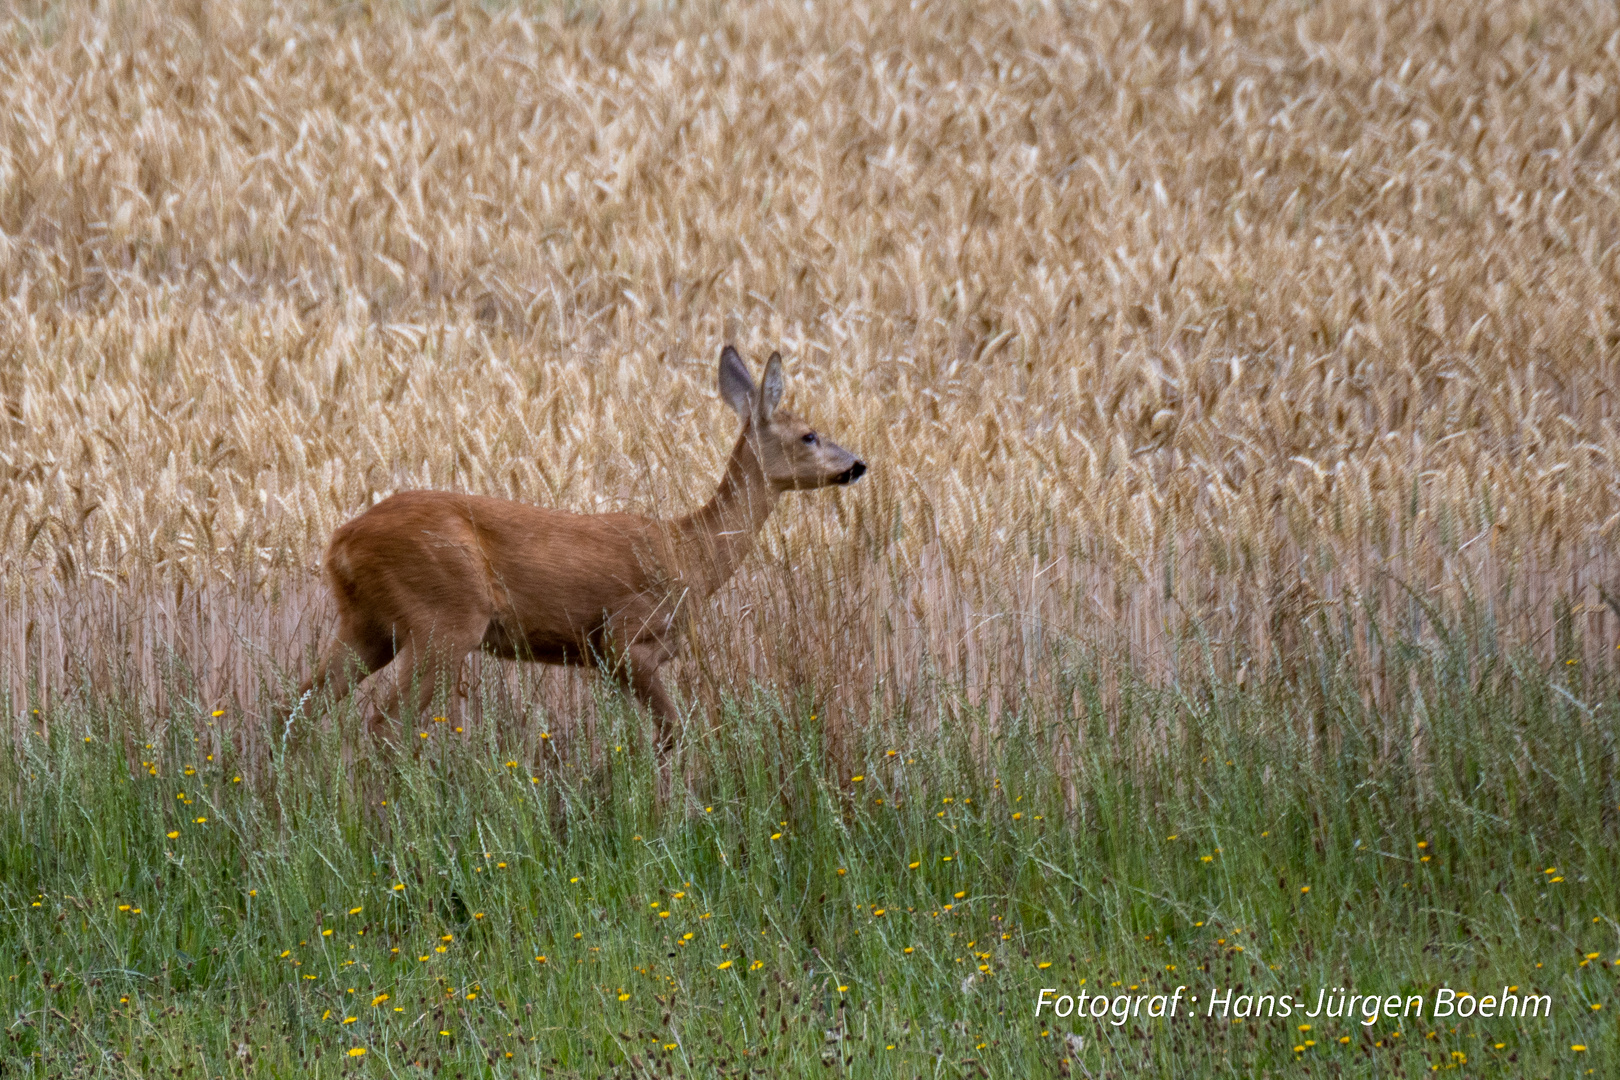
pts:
[477, 910]
[1238, 385]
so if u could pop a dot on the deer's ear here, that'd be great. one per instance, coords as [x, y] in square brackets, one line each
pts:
[770, 388]
[736, 386]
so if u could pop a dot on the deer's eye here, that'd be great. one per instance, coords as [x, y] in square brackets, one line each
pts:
[810, 437]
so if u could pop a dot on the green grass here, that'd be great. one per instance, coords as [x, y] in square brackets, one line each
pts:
[1166, 837]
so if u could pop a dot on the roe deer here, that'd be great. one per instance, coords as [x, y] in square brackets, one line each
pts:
[425, 577]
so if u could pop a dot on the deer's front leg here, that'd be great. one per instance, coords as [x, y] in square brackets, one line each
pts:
[645, 661]
[636, 670]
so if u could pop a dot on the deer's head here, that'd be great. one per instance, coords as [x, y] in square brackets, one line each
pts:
[792, 454]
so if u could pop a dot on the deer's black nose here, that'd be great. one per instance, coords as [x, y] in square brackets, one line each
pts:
[851, 474]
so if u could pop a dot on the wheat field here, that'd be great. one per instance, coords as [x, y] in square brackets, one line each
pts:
[1175, 334]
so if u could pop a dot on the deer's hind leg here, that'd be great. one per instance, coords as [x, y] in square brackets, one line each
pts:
[427, 660]
[345, 662]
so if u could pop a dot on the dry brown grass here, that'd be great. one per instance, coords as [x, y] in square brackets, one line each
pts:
[1161, 325]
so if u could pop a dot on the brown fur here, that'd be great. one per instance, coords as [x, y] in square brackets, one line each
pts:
[425, 577]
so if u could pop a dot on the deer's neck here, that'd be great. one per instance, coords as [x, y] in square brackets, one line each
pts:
[711, 544]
